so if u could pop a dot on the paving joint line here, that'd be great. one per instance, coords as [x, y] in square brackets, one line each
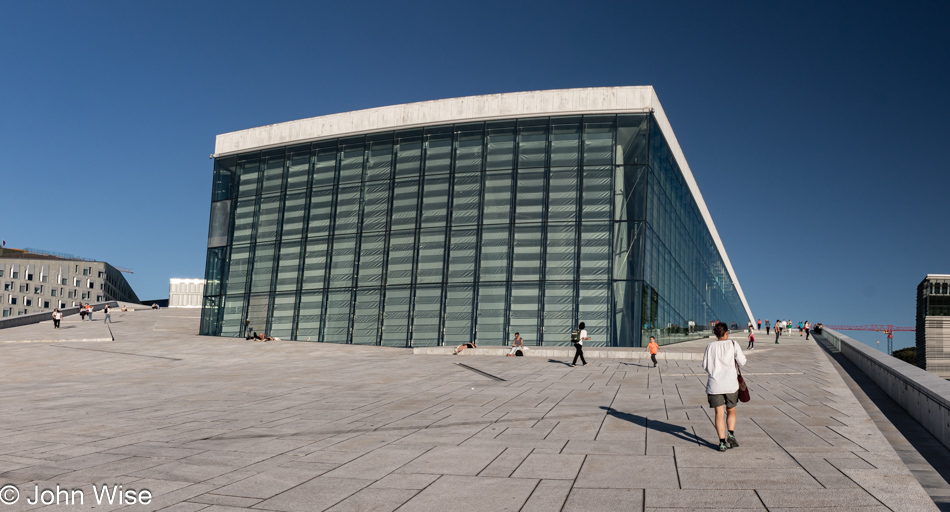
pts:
[115, 352]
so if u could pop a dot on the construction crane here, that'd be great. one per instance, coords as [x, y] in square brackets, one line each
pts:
[126, 270]
[886, 329]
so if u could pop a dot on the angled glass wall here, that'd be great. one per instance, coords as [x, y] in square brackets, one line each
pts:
[449, 234]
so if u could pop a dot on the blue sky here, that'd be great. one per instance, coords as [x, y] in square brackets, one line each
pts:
[817, 130]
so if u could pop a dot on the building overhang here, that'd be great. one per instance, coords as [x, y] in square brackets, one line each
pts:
[558, 102]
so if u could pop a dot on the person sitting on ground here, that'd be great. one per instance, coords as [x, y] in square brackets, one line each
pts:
[264, 337]
[516, 345]
[154, 305]
[464, 346]
[124, 309]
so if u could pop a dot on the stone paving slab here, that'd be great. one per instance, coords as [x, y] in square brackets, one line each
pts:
[219, 424]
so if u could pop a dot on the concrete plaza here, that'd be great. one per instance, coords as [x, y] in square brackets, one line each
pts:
[221, 424]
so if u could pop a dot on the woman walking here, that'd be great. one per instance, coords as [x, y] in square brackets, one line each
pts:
[722, 387]
[751, 339]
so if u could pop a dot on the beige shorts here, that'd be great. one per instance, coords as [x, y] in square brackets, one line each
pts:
[728, 399]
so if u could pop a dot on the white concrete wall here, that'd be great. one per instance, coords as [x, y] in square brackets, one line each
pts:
[922, 394]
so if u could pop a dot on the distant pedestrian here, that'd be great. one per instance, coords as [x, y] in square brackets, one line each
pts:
[577, 338]
[89, 311]
[57, 317]
[778, 330]
[801, 329]
[653, 348]
[107, 319]
[722, 387]
[751, 339]
[767, 324]
[759, 324]
[807, 329]
[82, 312]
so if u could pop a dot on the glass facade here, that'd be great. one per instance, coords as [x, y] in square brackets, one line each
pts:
[454, 233]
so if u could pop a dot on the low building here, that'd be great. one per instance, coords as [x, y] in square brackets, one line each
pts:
[185, 293]
[35, 281]
[933, 324]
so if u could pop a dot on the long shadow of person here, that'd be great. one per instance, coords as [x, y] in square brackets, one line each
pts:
[565, 363]
[677, 431]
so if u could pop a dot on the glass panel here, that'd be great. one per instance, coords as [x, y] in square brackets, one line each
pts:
[468, 153]
[238, 267]
[462, 247]
[562, 194]
[379, 161]
[342, 259]
[632, 138]
[214, 271]
[497, 207]
[324, 169]
[595, 197]
[244, 221]
[267, 219]
[458, 314]
[376, 206]
[495, 246]
[288, 266]
[527, 254]
[438, 151]
[559, 305]
[232, 321]
[594, 310]
[466, 192]
[408, 156]
[490, 317]
[337, 320]
[282, 319]
[372, 250]
[257, 312]
[294, 209]
[532, 145]
[224, 172]
[273, 174]
[524, 302]
[405, 204]
[630, 193]
[321, 211]
[298, 172]
[263, 270]
[220, 224]
[315, 264]
[501, 147]
[347, 209]
[598, 144]
[529, 199]
[565, 143]
[402, 247]
[351, 161]
[426, 326]
[626, 333]
[431, 256]
[310, 315]
[628, 246]
[396, 316]
[435, 201]
[249, 175]
[366, 317]
[595, 251]
[561, 258]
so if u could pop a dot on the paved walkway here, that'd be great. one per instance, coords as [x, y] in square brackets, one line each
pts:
[220, 425]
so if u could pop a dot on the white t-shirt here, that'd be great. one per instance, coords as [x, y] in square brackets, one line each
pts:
[719, 361]
[583, 335]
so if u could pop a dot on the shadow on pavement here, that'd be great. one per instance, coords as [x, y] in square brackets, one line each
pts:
[678, 431]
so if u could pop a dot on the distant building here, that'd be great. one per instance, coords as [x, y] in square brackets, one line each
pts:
[35, 281]
[933, 324]
[185, 293]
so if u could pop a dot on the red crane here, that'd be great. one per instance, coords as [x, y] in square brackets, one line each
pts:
[886, 329]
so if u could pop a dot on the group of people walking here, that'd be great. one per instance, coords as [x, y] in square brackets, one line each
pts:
[85, 310]
[781, 326]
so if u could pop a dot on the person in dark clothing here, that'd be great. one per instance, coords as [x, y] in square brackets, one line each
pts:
[579, 344]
